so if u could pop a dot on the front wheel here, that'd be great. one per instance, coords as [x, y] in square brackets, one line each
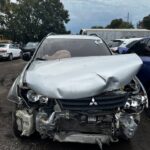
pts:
[10, 57]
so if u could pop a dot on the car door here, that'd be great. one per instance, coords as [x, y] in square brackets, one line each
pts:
[17, 50]
[12, 50]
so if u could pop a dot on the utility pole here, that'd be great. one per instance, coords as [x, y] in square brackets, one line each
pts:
[128, 17]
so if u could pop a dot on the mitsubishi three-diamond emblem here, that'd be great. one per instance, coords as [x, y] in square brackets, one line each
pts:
[93, 102]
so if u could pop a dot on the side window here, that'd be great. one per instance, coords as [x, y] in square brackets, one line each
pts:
[11, 46]
[141, 48]
[148, 45]
[16, 46]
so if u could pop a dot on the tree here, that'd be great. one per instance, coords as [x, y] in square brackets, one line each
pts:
[4, 5]
[31, 20]
[145, 23]
[97, 27]
[119, 23]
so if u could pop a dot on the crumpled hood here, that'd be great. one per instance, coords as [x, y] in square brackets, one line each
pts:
[81, 77]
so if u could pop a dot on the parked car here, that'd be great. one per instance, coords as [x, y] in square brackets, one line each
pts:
[9, 51]
[30, 47]
[122, 44]
[73, 90]
[142, 48]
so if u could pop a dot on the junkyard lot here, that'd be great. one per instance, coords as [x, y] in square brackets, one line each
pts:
[8, 73]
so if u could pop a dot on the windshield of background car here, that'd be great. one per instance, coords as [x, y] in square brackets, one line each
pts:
[31, 45]
[3, 45]
[56, 48]
[141, 48]
[115, 43]
[131, 44]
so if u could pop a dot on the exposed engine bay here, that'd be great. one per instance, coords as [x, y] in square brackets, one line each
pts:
[100, 119]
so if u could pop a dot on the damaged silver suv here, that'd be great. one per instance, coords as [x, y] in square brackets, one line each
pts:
[74, 90]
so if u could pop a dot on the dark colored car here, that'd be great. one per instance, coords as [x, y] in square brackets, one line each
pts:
[30, 47]
[142, 49]
[74, 90]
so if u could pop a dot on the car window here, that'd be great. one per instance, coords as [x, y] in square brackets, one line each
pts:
[131, 44]
[31, 45]
[12, 46]
[141, 48]
[115, 43]
[148, 44]
[3, 45]
[61, 48]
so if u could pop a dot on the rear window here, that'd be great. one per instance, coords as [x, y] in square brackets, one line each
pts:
[53, 48]
[3, 45]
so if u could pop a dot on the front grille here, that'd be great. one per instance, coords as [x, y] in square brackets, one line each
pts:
[109, 101]
[73, 125]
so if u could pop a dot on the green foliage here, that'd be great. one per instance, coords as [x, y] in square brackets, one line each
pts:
[145, 23]
[97, 27]
[31, 20]
[119, 24]
[4, 5]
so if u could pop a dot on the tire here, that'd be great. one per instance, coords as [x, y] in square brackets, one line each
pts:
[21, 54]
[10, 58]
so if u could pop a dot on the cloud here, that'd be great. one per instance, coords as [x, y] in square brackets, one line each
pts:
[86, 13]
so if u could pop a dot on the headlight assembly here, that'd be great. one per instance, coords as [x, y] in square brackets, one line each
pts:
[34, 97]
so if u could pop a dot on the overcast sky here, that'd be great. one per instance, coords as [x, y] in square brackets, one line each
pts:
[87, 13]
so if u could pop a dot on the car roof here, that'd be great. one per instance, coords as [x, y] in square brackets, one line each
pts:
[145, 38]
[73, 37]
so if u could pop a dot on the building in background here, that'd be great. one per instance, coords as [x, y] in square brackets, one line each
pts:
[112, 34]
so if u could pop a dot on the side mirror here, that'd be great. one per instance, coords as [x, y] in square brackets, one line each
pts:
[26, 56]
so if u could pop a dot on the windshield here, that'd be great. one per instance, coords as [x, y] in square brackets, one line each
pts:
[131, 44]
[57, 48]
[3, 45]
[32, 45]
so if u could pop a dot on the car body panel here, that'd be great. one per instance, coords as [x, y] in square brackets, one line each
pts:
[73, 78]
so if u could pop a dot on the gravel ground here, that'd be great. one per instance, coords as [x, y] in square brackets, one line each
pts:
[8, 72]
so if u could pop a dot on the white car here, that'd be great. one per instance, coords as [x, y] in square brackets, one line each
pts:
[115, 44]
[9, 51]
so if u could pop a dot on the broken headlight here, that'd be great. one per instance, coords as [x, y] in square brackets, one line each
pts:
[34, 97]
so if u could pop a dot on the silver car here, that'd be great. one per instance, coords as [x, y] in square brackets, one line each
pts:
[74, 90]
